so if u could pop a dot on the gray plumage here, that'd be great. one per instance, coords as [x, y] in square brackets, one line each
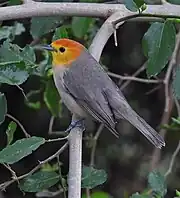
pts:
[86, 89]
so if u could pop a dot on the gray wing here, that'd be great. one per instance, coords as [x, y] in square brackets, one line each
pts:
[84, 83]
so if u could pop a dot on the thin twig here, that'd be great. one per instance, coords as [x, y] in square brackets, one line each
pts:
[58, 139]
[20, 125]
[57, 133]
[22, 91]
[141, 69]
[168, 101]
[132, 78]
[13, 173]
[4, 185]
[173, 160]
[4, 3]
[95, 138]
[61, 178]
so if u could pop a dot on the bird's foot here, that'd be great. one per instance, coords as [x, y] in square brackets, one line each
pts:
[76, 123]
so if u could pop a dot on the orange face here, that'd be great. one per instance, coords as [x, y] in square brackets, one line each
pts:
[65, 51]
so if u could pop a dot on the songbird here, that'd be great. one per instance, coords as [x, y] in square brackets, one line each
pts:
[87, 90]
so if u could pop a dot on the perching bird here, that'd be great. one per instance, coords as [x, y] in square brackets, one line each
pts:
[86, 89]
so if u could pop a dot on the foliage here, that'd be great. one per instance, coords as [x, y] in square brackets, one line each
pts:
[92, 177]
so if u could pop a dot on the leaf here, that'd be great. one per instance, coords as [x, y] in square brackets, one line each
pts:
[52, 97]
[135, 5]
[13, 53]
[28, 54]
[157, 183]
[11, 31]
[20, 149]
[92, 177]
[9, 52]
[39, 181]
[174, 2]
[13, 73]
[14, 2]
[98, 194]
[10, 132]
[158, 44]
[176, 83]
[3, 107]
[177, 193]
[176, 120]
[43, 25]
[60, 32]
[80, 26]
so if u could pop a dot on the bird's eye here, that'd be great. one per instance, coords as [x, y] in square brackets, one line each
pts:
[62, 49]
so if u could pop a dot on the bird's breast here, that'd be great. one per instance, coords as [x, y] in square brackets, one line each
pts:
[66, 98]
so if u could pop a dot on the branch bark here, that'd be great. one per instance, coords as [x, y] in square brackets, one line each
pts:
[82, 9]
[75, 161]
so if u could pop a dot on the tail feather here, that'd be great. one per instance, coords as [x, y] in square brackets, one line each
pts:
[144, 128]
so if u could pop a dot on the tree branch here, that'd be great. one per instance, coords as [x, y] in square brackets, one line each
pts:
[168, 101]
[132, 78]
[82, 9]
[75, 161]
[20, 125]
[4, 185]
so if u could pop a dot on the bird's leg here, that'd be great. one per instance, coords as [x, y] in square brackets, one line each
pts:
[76, 123]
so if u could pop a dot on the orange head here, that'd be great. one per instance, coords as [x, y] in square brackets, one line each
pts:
[64, 52]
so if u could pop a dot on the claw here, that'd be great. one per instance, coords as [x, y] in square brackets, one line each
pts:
[76, 123]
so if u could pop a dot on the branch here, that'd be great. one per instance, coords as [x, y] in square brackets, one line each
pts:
[20, 125]
[132, 78]
[168, 101]
[82, 9]
[6, 184]
[173, 160]
[75, 161]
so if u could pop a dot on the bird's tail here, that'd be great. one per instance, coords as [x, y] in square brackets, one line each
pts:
[144, 128]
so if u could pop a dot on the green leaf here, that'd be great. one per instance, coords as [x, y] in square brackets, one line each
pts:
[158, 44]
[92, 177]
[80, 26]
[9, 52]
[10, 132]
[39, 181]
[13, 73]
[176, 83]
[20, 149]
[3, 107]
[60, 32]
[52, 98]
[176, 120]
[135, 5]
[98, 194]
[11, 31]
[43, 25]
[174, 2]
[28, 55]
[157, 183]
[177, 193]
[14, 2]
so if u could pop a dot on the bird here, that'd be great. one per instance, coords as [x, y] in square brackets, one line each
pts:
[87, 90]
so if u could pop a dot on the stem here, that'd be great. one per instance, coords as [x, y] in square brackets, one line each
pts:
[75, 160]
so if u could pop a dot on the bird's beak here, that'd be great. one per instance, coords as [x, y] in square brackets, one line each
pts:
[48, 47]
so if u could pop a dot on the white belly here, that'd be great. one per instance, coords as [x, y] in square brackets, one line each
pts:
[67, 99]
